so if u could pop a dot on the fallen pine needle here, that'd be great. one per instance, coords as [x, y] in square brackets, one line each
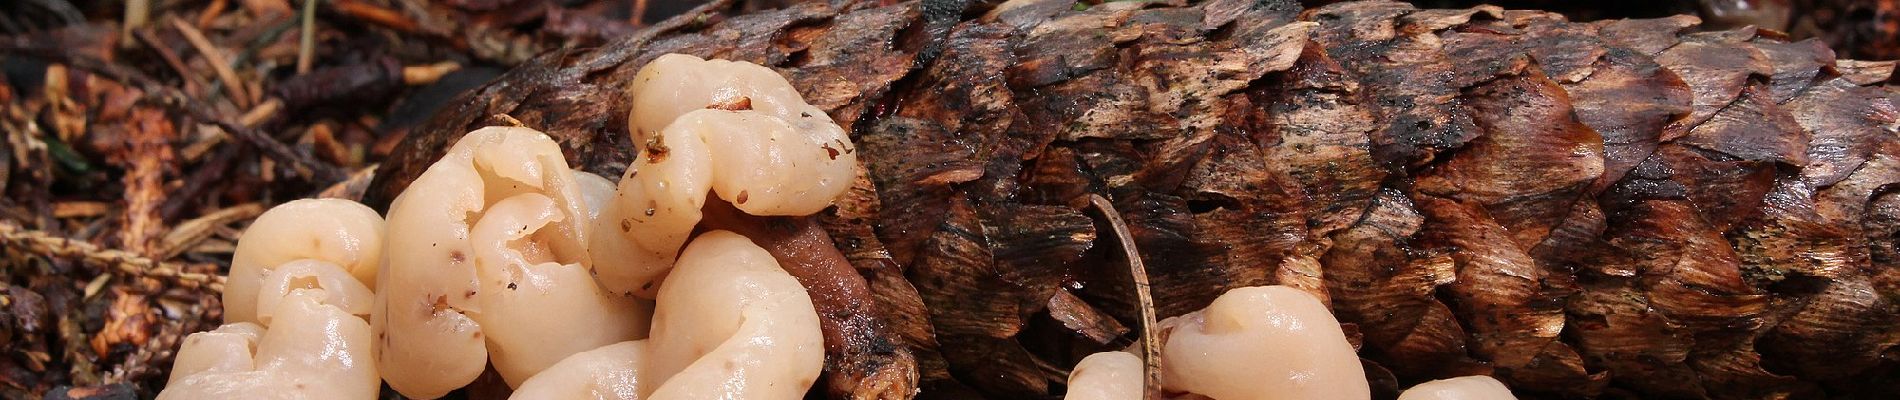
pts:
[220, 65]
[1150, 341]
[307, 37]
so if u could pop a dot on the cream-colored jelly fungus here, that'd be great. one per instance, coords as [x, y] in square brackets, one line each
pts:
[296, 299]
[1477, 387]
[488, 262]
[729, 325]
[1108, 375]
[736, 129]
[1261, 343]
[341, 232]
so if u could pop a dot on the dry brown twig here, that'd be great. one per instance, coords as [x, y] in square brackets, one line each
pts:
[215, 167]
[212, 12]
[220, 65]
[48, 245]
[188, 234]
[263, 112]
[193, 83]
[377, 15]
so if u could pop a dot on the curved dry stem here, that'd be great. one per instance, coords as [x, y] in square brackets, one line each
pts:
[1150, 341]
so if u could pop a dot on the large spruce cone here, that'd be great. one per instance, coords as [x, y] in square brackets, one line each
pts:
[1605, 209]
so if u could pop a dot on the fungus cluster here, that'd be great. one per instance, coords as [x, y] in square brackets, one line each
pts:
[735, 129]
[570, 285]
[1257, 343]
[500, 256]
[1251, 343]
[1477, 387]
[488, 261]
[730, 325]
[295, 302]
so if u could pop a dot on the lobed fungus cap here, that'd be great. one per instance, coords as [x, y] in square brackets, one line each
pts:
[729, 324]
[1476, 387]
[1261, 343]
[1108, 375]
[312, 349]
[488, 258]
[340, 232]
[733, 129]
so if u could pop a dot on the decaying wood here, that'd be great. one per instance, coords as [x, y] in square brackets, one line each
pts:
[1627, 208]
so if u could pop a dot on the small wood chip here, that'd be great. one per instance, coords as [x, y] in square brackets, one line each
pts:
[98, 283]
[80, 209]
[505, 120]
[1079, 317]
[262, 112]
[419, 75]
[1865, 72]
[351, 189]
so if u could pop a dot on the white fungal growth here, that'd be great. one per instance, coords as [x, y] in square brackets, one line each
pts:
[596, 192]
[1261, 343]
[340, 289]
[228, 349]
[1477, 387]
[340, 232]
[488, 256]
[734, 129]
[1109, 375]
[730, 324]
[313, 348]
[535, 311]
[611, 372]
